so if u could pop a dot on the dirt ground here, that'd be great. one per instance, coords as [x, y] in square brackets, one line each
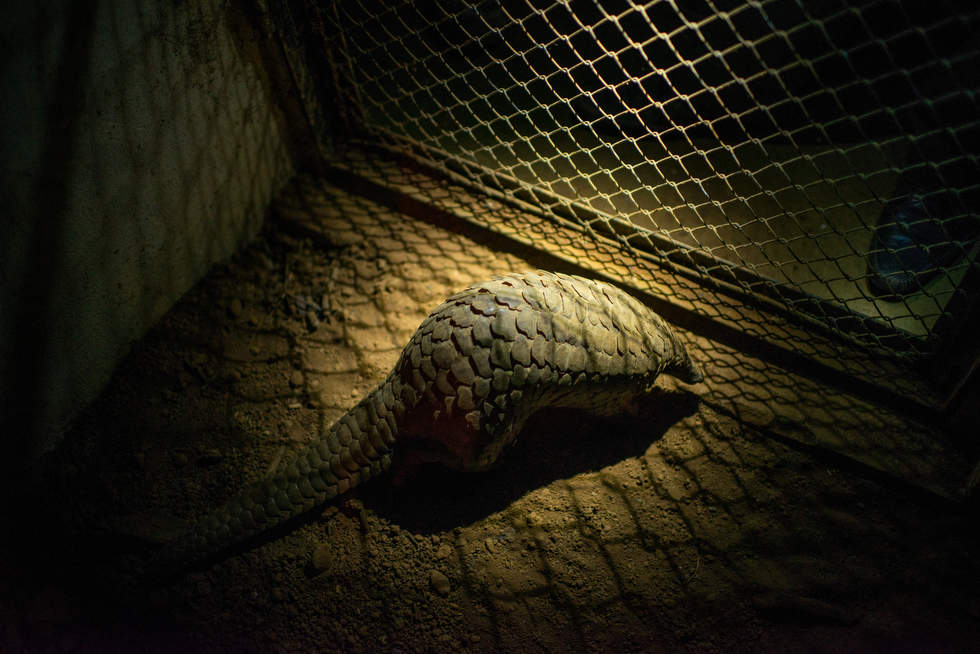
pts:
[677, 530]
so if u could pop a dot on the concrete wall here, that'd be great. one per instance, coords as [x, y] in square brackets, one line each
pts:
[140, 144]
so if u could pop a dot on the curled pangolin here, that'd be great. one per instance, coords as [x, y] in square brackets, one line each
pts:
[471, 375]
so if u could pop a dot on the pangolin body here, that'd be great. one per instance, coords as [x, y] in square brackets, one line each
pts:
[474, 371]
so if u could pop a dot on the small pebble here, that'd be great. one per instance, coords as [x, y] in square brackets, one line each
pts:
[296, 379]
[321, 557]
[439, 582]
[235, 308]
[295, 432]
[312, 322]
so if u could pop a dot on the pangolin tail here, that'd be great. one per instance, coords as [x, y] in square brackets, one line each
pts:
[356, 448]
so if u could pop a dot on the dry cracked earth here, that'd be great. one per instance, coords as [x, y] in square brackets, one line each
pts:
[676, 530]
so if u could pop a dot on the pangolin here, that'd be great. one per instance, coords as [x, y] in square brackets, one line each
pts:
[473, 372]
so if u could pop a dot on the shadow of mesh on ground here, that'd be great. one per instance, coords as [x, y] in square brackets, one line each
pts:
[682, 529]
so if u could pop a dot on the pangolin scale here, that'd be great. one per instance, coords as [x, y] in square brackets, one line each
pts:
[471, 375]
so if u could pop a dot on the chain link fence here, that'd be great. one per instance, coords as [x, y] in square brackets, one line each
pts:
[757, 148]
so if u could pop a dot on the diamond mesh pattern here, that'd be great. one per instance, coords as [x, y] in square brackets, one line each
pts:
[753, 146]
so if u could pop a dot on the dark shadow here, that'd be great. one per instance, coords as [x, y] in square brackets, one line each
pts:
[44, 243]
[555, 444]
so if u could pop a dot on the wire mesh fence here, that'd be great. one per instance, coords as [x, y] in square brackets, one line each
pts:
[818, 157]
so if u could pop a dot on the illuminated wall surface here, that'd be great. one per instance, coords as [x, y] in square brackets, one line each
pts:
[140, 146]
[752, 147]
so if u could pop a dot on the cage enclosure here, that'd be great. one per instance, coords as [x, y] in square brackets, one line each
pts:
[496, 223]
[798, 180]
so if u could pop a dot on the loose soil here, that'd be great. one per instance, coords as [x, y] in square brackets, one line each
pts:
[679, 529]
